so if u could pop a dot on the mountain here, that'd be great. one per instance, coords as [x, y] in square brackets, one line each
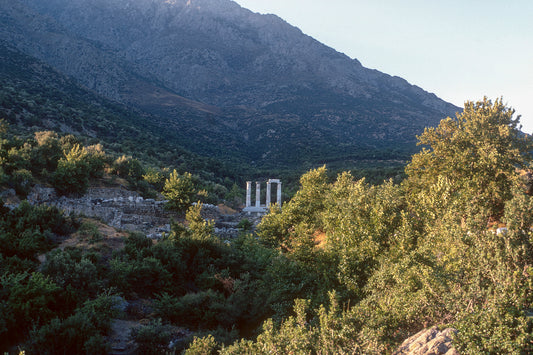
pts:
[226, 82]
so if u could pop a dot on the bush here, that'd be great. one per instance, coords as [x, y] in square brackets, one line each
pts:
[202, 346]
[22, 181]
[89, 231]
[45, 156]
[26, 300]
[153, 338]
[82, 332]
[179, 190]
[28, 230]
[67, 270]
[128, 168]
[72, 174]
[201, 310]
[143, 276]
[136, 244]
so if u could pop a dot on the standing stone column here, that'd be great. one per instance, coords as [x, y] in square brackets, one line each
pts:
[278, 197]
[257, 194]
[268, 194]
[248, 193]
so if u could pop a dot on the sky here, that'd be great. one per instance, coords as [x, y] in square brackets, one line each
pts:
[460, 50]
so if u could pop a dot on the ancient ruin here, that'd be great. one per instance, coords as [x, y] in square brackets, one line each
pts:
[258, 208]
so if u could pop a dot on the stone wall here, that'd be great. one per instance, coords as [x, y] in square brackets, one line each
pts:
[114, 206]
[127, 210]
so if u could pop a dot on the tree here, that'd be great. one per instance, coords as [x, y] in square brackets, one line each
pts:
[72, 174]
[179, 190]
[45, 156]
[478, 152]
[293, 227]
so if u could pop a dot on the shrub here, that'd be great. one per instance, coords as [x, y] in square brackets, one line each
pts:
[65, 270]
[202, 346]
[153, 338]
[136, 243]
[22, 181]
[201, 310]
[179, 190]
[82, 332]
[72, 174]
[26, 300]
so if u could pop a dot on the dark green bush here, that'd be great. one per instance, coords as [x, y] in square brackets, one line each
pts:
[144, 276]
[82, 332]
[28, 230]
[137, 244]
[201, 310]
[65, 269]
[26, 300]
[153, 338]
[22, 181]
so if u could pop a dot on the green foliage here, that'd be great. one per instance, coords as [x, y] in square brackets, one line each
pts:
[144, 276]
[359, 221]
[155, 178]
[234, 197]
[90, 232]
[202, 346]
[28, 230]
[421, 253]
[201, 310]
[277, 229]
[199, 227]
[244, 224]
[63, 162]
[344, 267]
[478, 152]
[153, 338]
[69, 268]
[127, 167]
[72, 174]
[26, 300]
[136, 244]
[46, 154]
[21, 180]
[179, 190]
[329, 333]
[96, 160]
[82, 332]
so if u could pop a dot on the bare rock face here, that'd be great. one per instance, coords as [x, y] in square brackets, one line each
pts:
[430, 341]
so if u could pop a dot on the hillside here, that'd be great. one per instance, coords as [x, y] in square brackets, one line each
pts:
[34, 97]
[439, 263]
[230, 83]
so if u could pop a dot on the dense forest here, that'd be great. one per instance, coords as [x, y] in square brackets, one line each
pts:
[346, 266]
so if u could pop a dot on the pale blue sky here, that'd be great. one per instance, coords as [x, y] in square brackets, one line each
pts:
[458, 49]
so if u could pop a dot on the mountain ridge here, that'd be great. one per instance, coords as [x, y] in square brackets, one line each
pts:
[227, 75]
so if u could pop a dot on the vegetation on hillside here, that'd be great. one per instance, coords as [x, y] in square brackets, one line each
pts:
[34, 97]
[345, 267]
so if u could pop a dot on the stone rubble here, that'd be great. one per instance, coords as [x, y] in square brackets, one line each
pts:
[128, 210]
[430, 341]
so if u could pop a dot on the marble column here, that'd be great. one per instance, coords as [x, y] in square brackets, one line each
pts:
[268, 194]
[278, 197]
[248, 193]
[257, 194]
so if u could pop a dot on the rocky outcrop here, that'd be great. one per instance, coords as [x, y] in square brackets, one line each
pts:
[430, 341]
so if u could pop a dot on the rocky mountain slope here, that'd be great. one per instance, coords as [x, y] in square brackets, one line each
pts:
[235, 83]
